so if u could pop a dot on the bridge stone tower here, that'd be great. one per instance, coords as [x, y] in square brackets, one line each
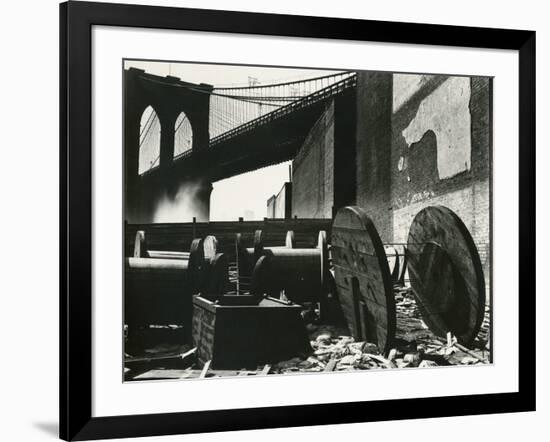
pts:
[166, 188]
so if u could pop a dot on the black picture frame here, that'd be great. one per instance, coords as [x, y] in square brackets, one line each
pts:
[76, 21]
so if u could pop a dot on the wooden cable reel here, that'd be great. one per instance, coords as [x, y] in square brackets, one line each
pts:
[363, 278]
[392, 255]
[397, 261]
[259, 249]
[192, 261]
[300, 273]
[143, 258]
[214, 276]
[446, 274]
[402, 252]
[141, 250]
[159, 284]
[157, 288]
[247, 257]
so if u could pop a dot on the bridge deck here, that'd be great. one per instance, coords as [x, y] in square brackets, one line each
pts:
[309, 100]
[267, 140]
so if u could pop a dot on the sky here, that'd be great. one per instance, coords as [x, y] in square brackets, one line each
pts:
[245, 194]
[219, 75]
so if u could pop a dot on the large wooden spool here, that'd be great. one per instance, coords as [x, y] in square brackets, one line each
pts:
[215, 280]
[247, 257]
[363, 278]
[260, 250]
[141, 250]
[300, 273]
[392, 255]
[446, 273]
[397, 261]
[159, 285]
[178, 236]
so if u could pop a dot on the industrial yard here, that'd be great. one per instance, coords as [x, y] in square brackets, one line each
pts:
[330, 221]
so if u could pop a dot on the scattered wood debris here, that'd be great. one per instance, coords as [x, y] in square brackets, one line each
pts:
[335, 350]
[416, 346]
[205, 370]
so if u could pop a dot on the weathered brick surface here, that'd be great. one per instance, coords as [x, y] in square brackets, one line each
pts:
[471, 203]
[313, 171]
[374, 103]
[419, 140]
[345, 147]
[415, 179]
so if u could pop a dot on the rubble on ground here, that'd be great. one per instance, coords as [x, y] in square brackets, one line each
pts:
[334, 350]
[416, 346]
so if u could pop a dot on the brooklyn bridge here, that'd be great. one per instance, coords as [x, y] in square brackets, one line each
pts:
[218, 132]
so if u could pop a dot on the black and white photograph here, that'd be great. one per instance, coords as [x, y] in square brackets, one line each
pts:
[275, 221]
[283, 220]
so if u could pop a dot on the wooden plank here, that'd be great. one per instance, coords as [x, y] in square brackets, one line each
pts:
[156, 374]
[205, 369]
[331, 365]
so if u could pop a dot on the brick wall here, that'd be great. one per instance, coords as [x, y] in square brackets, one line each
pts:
[440, 154]
[471, 203]
[419, 140]
[313, 171]
[374, 92]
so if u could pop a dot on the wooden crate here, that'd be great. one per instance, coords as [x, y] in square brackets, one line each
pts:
[235, 337]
